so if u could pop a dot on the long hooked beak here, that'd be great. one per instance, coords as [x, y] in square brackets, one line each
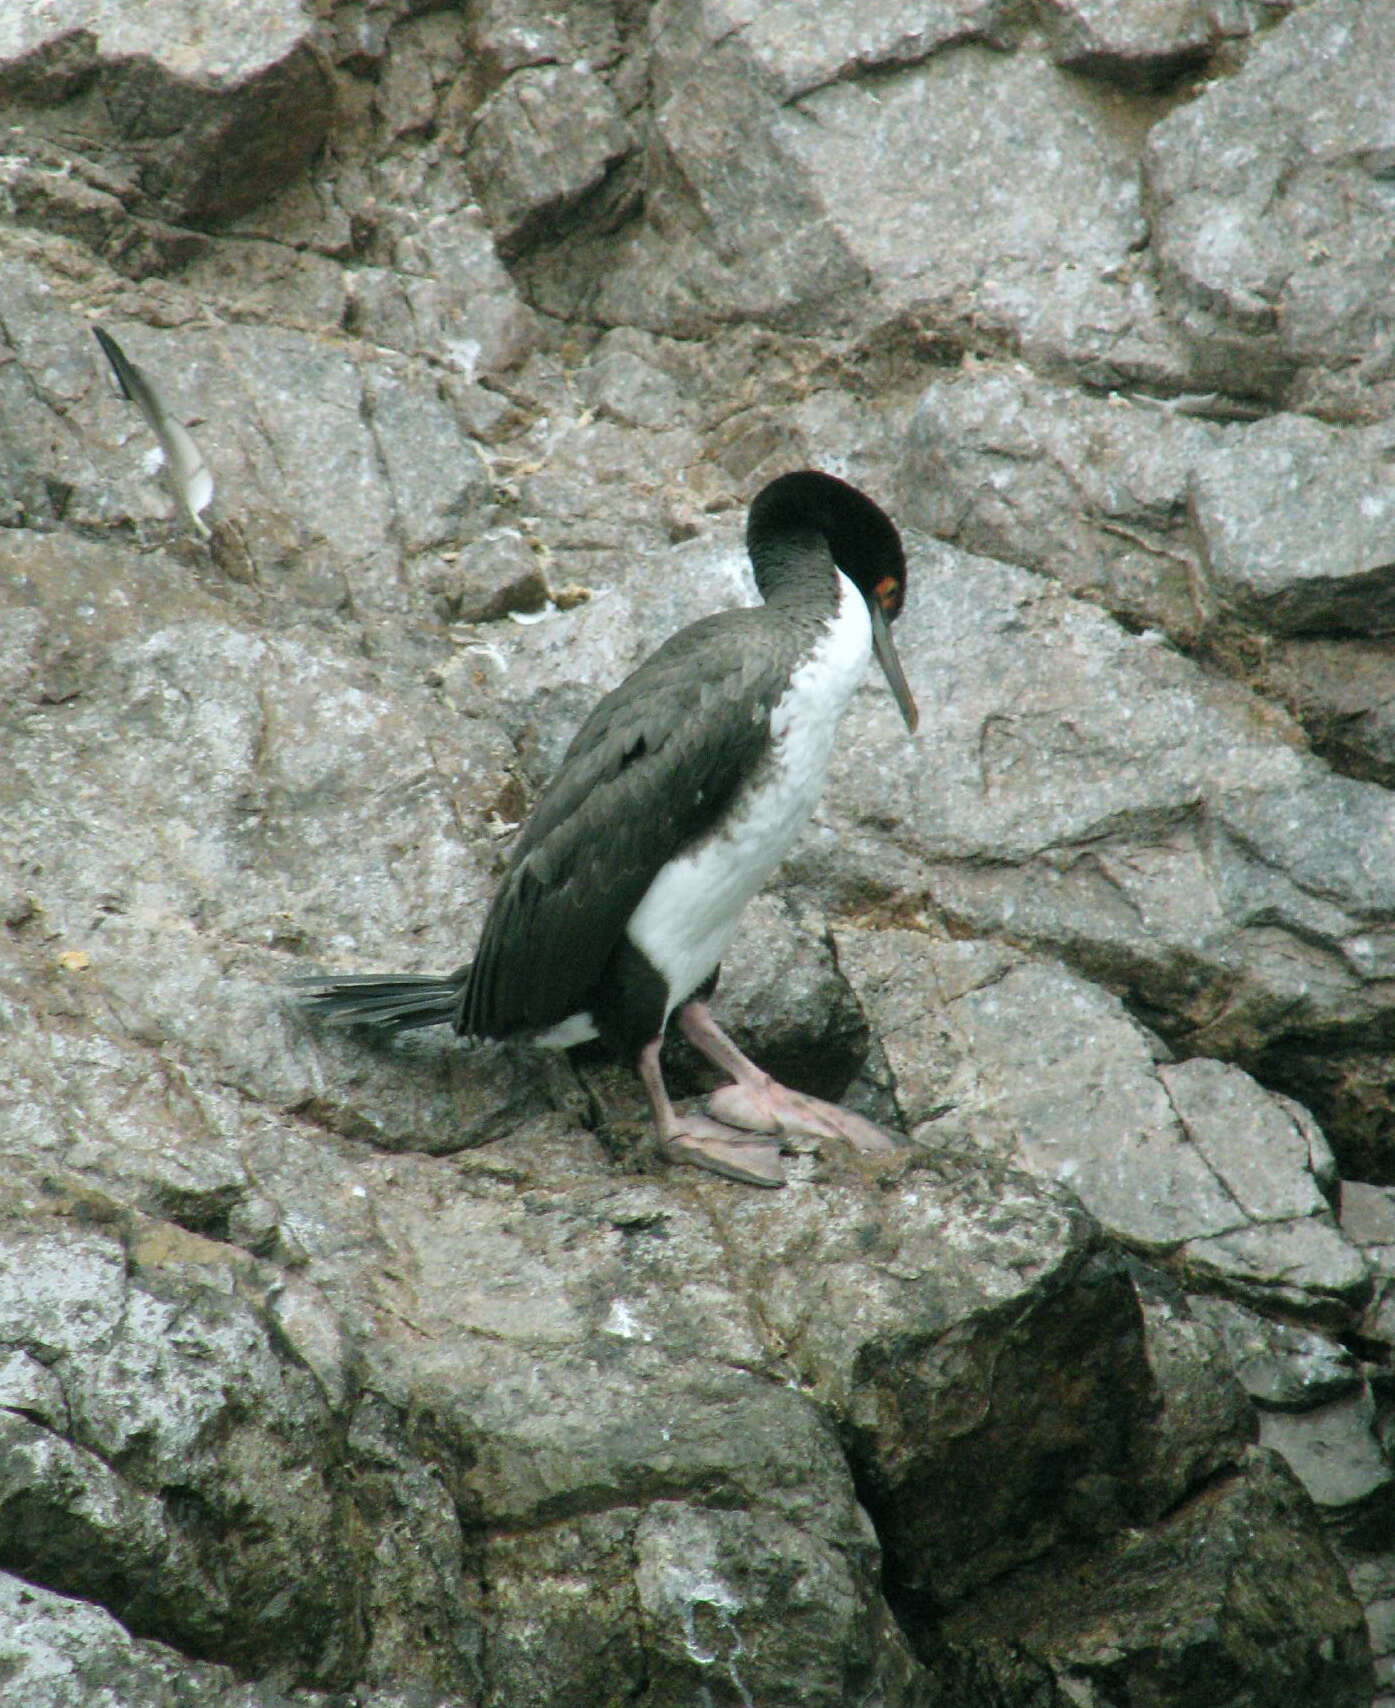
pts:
[885, 649]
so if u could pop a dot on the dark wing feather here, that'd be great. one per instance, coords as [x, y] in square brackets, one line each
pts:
[643, 778]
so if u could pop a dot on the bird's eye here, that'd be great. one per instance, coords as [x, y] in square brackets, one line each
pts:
[887, 593]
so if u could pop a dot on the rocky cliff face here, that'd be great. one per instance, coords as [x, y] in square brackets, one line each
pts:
[408, 1377]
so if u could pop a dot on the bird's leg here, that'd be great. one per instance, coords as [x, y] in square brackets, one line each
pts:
[761, 1104]
[703, 1142]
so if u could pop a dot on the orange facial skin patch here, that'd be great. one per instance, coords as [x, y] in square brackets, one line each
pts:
[888, 594]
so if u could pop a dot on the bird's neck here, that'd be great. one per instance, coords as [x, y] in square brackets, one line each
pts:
[797, 572]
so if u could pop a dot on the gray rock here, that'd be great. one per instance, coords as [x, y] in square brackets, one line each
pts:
[29, 1387]
[799, 45]
[1368, 1214]
[1281, 1366]
[660, 1332]
[1193, 1161]
[806, 233]
[1091, 491]
[645, 1315]
[507, 35]
[213, 116]
[1343, 693]
[542, 143]
[1204, 1421]
[438, 480]
[426, 56]
[446, 295]
[44, 468]
[1142, 43]
[58, 1652]
[61, 1293]
[625, 387]
[1304, 1265]
[1261, 1148]
[1169, 520]
[254, 280]
[1270, 214]
[166, 1394]
[1334, 1452]
[498, 573]
[732, 229]
[1371, 1578]
[1297, 527]
[938, 1306]
[1217, 1643]
[72, 1522]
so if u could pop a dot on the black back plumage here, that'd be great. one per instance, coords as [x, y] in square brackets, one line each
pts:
[648, 774]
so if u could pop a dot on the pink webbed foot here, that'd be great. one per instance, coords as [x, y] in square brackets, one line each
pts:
[743, 1156]
[774, 1108]
[696, 1139]
[760, 1104]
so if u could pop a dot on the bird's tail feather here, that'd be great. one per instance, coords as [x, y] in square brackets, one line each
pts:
[389, 1002]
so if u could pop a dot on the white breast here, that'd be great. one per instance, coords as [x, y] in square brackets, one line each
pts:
[690, 911]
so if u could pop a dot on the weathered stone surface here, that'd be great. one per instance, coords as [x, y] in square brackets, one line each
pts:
[253, 280]
[500, 572]
[1297, 526]
[504, 36]
[447, 296]
[805, 232]
[509, 34]
[621, 384]
[1368, 1214]
[924, 1409]
[212, 112]
[1282, 1367]
[418, 74]
[58, 1652]
[654, 1325]
[1374, 1582]
[41, 464]
[1006, 256]
[1091, 491]
[800, 45]
[731, 228]
[1191, 1161]
[406, 1374]
[1305, 1265]
[544, 141]
[78, 34]
[1218, 1644]
[1170, 520]
[165, 1393]
[1269, 1152]
[1334, 1452]
[1343, 693]
[1204, 1421]
[1139, 43]
[1270, 212]
[438, 480]
[1186, 873]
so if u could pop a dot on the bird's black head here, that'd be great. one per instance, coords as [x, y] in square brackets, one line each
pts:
[862, 540]
[860, 535]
